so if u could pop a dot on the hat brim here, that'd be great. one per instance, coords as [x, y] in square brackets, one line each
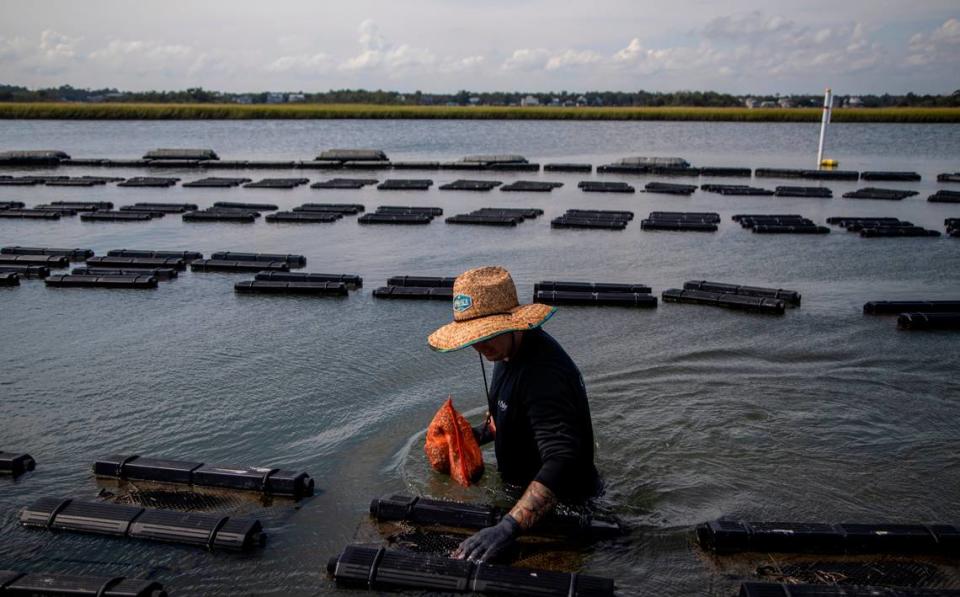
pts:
[461, 334]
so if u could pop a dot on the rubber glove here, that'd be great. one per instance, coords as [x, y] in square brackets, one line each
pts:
[482, 432]
[489, 542]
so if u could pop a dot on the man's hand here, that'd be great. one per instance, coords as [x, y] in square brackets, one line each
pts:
[489, 542]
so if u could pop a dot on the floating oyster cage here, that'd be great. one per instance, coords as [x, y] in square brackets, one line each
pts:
[40, 583]
[731, 536]
[268, 480]
[381, 569]
[211, 531]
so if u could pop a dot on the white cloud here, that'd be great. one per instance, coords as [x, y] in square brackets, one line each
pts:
[377, 54]
[527, 59]
[572, 58]
[941, 47]
[314, 63]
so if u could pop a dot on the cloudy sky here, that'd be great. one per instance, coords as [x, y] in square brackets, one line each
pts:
[737, 46]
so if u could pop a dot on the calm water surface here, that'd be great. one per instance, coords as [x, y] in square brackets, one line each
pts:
[823, 414]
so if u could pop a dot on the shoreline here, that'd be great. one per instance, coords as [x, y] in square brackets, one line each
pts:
[125, 111]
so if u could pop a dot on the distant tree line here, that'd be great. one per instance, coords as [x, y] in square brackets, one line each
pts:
[194, 95]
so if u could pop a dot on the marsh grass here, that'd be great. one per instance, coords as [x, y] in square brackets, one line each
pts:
[125, 111]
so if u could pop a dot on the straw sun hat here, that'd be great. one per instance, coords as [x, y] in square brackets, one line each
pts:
[485, 305]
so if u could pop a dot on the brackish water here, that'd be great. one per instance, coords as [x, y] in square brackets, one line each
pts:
[823, 414]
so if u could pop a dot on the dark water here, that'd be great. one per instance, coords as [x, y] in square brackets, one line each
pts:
[823, 414]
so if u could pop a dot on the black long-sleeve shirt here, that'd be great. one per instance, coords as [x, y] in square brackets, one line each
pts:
[544, 432]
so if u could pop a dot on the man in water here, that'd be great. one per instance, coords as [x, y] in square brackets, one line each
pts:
[538, 417]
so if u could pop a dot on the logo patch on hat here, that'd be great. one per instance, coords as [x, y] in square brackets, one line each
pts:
[462, 302]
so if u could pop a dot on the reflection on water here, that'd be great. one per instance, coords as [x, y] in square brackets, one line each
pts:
[822, 414]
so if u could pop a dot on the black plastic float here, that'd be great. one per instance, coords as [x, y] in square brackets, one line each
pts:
[381, 569]
[270, 164]
[807, 192]
[173, 208]
[176, 263]
[730, 536]
[36, 584]
[616, 299]
[135, 282]
[181, 154]
[220, 265]
[670, 189]
[421, 281]
[83, 205]
[82, 162]
[484, 220]
[777, 173]
[159, 273]
[172, 163]
[948, 177]
[212, 531]
[722, 299]
[299, 288]
[16, 463]
[367, 164]
[897, 307]
[149, 181]
[346, 209]
[526, 213]
[410, 209]
[405, 184]
[12, 205]
[293, 260]
[898, 231]
[470, 185]
[600, 214]
[721, 172]
[32, 157]
[276, 183]
[186, 256]
[515, 167]
[677, 225]
[63, 211]
[246, 206]
[929, 321]
[223, 164]
[303, 217]
[71, 254]
[791, 297]
[216, 182]
[220, 216]
[531, 186]
[427, 511]
[749, 221]
[942, 196]
[830, 174]
[344, 183]
[51, 261]
[764, 589]
[675, 170]
[590, 287]
[904, 176]
[268, 480]
[575, 222]
[876, 193]
[567, 167]
[116, 216]
[798, 228]
[696, 216]
[29, 214]
[111, 163]
[590, 186]
[735, 189]
[18, 182]
[9, 279]
[623, 169]
[386, 218]
[413, 292]
[26, 271]
[139, 209]
[350, 280]
[416, 165]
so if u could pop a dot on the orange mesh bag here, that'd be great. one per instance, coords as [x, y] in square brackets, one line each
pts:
[451, 447]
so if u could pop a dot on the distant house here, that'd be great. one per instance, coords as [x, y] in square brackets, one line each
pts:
[296, 97]
[768, 104]
[474, 101]
[785, 102]
[243, 99]
[750, 102]
[854, 102]
[275, 98]
[529, 101]
[582, 100]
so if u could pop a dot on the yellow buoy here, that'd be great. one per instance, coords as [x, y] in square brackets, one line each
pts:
[827, 163]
